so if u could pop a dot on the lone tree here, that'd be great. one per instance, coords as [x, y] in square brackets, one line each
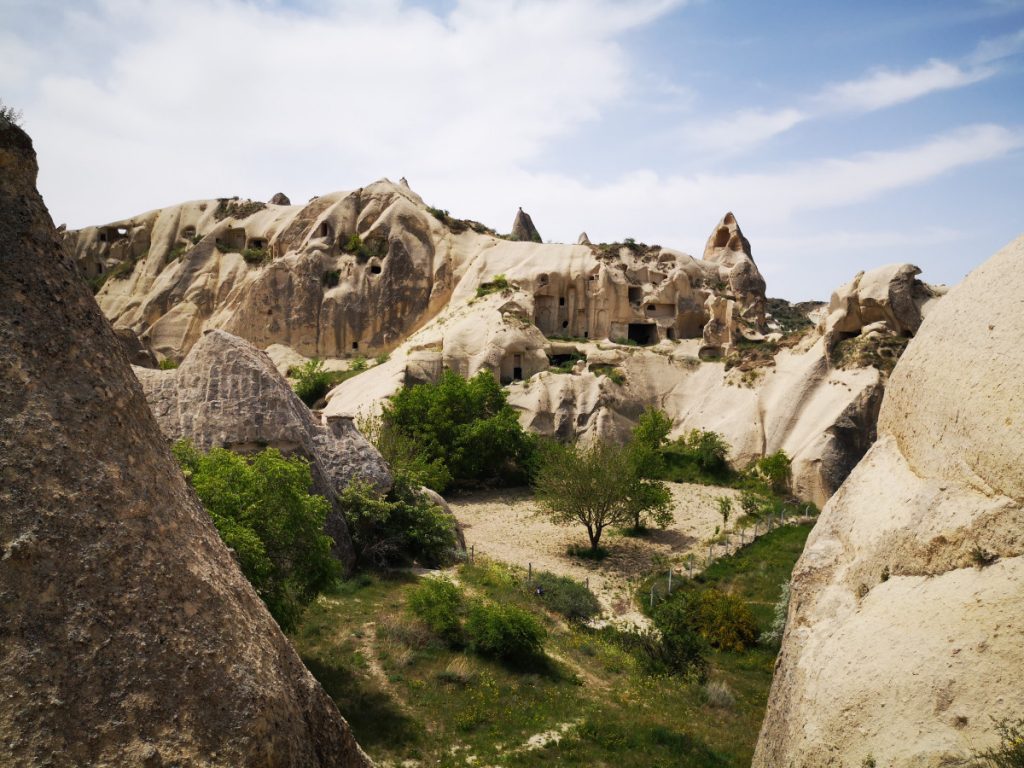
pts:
[597, 486]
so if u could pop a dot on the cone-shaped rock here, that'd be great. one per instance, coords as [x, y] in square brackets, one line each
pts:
[583, 239]
[228, 394]
[129, 635]
[729, 248]
[523, 229]
[280, 199]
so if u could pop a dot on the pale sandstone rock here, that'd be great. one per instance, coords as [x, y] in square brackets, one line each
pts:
[130, 637]
[228, 394]
[898, 645]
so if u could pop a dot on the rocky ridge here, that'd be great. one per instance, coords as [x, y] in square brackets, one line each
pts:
[129, 635]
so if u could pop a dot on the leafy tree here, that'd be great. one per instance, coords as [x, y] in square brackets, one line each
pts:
[402, 526]
[465, 425]
[403, 453]
[724, 508]
[646, 496]
[652, 428]
[775, 469]
[682, 647]
[262, 508]
[709, 449]
[591, 485]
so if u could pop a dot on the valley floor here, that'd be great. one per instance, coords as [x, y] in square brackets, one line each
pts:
[413, 701]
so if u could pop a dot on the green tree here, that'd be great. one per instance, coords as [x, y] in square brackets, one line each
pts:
[775, 470]
[709, 449]
[262, 508]
[724, 509]
[402, 526]
[647, 497]
[465, 425]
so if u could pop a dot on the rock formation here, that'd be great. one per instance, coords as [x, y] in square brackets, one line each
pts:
[523, 229]
[228, 394]
[583, 239]
[280, 199]
[907, 609]
[129, 635]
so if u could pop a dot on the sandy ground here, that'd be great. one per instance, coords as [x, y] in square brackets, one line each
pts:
[506, 526]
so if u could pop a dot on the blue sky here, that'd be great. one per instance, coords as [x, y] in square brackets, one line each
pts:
[843, 136]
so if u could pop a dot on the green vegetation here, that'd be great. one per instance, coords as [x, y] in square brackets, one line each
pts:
[603, 485]
[177, 252]
[877, 351]
[1010, 751]
[231, 208]
[625, 342]
[263, 510]
[619, 697]
[792, 318]
[376, 246]
[331, 278]
[458, 432]
[458, 226]
[505, 631]
[9, 114]
[168, 364]
[614, 374]
[382, 358]
[398, 528]
[564, 596]
[497, 284]
[256, 256]
[312, 382]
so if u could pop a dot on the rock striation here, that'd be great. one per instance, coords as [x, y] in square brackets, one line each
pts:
[228, 394]
[907, 610]
[128, 635]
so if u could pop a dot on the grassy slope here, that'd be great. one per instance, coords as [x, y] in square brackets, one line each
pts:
[406, 695]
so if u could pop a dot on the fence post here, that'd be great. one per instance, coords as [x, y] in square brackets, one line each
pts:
[472, 553]
[691, 565]
[652, 597]
[670, 581]
[710, 547]
[529, 573]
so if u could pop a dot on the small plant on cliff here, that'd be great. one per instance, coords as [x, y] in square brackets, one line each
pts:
[262, 508]
[1010, 751]
[311, 381]
[168, 364]
[9, 114]
[498, 283]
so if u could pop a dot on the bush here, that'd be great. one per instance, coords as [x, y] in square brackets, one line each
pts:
[403, 453]
[566, 596]
[256, 255]
[773, 636]
[401, 527]
[1010, 751]
[465, 426]
[358, 363]
[9, 114]
[724, 621]
[504, 631]
[775, 471]
[262, 508]
[168, 364]
[438, 603]
[684, 647]
[312, 382]
[498, 283]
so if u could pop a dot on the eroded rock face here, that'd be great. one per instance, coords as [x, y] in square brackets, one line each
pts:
[228, 394]
[129, 635]
[907, 612]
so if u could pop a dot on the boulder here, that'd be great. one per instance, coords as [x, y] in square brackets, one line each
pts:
[280, 198]
[523, 229]
[907, 610]
[228, 394]
[129, 635]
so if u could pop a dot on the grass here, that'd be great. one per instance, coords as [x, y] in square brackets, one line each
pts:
[497, 284]
[410, 696]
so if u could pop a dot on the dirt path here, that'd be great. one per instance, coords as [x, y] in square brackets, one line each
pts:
[505, 526]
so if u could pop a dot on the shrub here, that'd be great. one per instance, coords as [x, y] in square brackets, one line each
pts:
[353, 245]
[683, 647]
[382, 358]
[403, 453]
[331, 278]
[775, 470]
[721, 619]
[1010, 751]
[9, 114]
[358, 363]
[773, 636]
[168, 364]
[719, 695]
[312, 382]
[438, 603]
[709, 449]
[256, 255]
[402, 526]
[566, 596]
[498, 283]
[262, 508]
[466, 426]
[504, 631]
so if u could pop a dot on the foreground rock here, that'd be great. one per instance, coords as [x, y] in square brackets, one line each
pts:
[228, 394]
[904, 635]
[128, 635]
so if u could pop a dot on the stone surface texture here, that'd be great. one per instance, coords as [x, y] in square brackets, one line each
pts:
[907, 611]
[128, 635]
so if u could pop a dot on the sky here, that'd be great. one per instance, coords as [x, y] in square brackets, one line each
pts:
[843, 136]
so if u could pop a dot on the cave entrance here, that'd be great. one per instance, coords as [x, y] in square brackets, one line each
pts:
[643, 334]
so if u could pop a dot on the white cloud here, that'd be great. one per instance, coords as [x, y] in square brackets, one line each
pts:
[741, 130]
[884, 88]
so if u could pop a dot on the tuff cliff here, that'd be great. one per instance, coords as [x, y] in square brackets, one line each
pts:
[128, 635]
